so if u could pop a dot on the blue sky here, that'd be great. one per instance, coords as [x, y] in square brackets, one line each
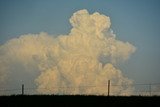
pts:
[135, 21]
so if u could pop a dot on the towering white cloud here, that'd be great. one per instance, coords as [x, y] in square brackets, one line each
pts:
[79, 63]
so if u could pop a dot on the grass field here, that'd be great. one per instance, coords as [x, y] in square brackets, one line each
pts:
[78, 100]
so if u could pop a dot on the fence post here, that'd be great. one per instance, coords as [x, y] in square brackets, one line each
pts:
[108, 87]
[150, 89]
[22, 89]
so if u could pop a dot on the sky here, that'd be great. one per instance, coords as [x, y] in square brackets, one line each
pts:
[133, 21]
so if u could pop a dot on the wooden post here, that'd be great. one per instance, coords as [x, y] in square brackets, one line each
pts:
[108, 87]
[22, 89]
[150, 89]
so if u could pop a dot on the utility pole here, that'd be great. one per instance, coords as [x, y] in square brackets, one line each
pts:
[108, 87]
[22, 89]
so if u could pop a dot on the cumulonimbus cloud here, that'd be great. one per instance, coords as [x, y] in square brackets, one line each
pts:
[78, 63]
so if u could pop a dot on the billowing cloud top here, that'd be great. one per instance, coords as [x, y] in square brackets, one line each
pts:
[79, 63]
[95, 23]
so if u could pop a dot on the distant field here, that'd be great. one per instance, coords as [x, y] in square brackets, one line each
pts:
[55, 100]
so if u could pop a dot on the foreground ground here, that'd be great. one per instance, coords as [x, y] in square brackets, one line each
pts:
[67, 101]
